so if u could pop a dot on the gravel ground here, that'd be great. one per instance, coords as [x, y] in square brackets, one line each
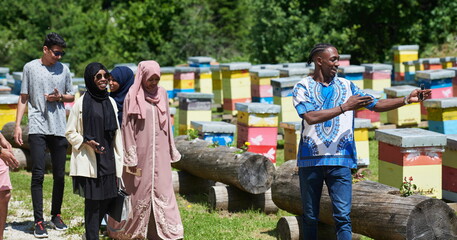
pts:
[20, 225]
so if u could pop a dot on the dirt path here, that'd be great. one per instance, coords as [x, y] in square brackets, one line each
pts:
[20, 225]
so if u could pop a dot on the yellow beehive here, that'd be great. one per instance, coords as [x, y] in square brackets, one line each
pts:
[406, 115]
[292, 135]
[393, 175]
[288, 112]
[404, 56]
[8, 107]
[185, 117]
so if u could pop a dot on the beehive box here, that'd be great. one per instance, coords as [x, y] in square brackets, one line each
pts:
[261, 89]
[353, 73]
[442, 115]
[236, 84]
[292, 135]
[410, 70]
[450, 168]
[432, 64]
[362, 145]
[282, 96]
[403, 53]
[448, 62]
[203, 80]
[184, 78]
[200, 61]
[195, 101]
[345, 60]
[16, 87]
[220, 132]
[294, 72]
[454, 81]
[166, 80]
[365, 113]
[257, 114]
[411, 152]
[8, 108]
[216, 76]
[3, 72]
[377, 76]
[406, 115]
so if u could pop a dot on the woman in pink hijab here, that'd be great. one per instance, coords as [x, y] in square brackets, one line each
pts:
[149, 151]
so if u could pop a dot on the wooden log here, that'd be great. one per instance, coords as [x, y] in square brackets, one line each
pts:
[186, 183]
[250, 172]
[8, 133]
[377, 210]
[232, 199]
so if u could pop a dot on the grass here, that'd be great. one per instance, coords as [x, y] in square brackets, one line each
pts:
[199, 222]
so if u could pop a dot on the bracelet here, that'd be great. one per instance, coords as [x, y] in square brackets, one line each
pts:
[405, 100]
[342, 111]
[61, 98]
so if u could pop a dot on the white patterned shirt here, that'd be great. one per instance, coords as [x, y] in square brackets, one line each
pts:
[329, 143]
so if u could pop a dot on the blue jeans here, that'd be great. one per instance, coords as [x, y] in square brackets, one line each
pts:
[339, 183]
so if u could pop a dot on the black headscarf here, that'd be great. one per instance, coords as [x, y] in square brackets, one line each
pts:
[94, 94]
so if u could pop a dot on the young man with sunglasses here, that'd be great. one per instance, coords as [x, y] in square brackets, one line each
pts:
[46, 85]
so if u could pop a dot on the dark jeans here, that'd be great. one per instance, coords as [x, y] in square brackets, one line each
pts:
[339, 183]
[94, 211]
[58, 148]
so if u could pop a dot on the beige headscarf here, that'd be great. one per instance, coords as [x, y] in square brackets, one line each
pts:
[143, 98]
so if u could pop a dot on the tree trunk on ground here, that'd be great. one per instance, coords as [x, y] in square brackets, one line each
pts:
[376, 211]
[8, 133]
[250, 172]
[186, 183]
[232, 199]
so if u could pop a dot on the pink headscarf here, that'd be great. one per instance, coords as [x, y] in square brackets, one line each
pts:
[145, 70]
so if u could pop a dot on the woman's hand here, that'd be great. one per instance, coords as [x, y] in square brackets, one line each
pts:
[96, 146]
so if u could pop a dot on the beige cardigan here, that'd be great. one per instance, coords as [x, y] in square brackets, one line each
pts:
[83, 161]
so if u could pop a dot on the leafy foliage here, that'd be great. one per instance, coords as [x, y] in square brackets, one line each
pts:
[260, 31]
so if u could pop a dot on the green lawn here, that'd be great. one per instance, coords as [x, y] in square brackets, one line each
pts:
[199, 222]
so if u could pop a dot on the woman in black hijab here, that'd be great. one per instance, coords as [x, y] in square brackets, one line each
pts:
[96, 160]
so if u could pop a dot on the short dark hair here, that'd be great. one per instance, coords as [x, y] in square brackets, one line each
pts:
[318, 48]
[54, 39]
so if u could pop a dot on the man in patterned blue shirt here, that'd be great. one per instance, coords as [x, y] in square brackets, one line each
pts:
[325, 102]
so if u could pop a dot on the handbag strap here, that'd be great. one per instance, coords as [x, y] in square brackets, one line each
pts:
[121, 184]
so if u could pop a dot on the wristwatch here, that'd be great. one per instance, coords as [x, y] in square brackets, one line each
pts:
[61, 98]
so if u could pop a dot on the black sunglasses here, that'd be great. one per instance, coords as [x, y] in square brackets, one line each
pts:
[58, 53]
[100, 76]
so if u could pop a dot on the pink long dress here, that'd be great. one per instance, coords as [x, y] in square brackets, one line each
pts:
[155, 213]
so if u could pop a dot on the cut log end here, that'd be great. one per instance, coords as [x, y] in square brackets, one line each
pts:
[255, 174]
[288, 228]
[432, 219]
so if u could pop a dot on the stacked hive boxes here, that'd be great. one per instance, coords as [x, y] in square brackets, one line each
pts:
[448, 62]
[216, 76]
[203, 80]
[261, 89]
[365, 113]
[3, 72]
[200, 61]
[406, 115]
[236, 85]
[410, 70]
[353, 73]
[172, 118]
[292, 135]
[8, 106]
[166, 80]
[442, 115]
[193, 107]
[16, 87]
[411, 152]
[419, 64]
[257, 123]
[377, 76]
[293, 72]
[403, 53]
[450, 169]
[362, 145]
[454, 81]
[432, 64]
[283, 96]
[439, 81]
[345, 59]
[184, 80]
[221, 133]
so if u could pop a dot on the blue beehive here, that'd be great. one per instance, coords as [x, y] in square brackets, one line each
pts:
[200, 61]
[220, 132]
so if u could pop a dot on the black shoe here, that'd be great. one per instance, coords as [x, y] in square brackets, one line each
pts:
[57, 223]
[40, 230]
